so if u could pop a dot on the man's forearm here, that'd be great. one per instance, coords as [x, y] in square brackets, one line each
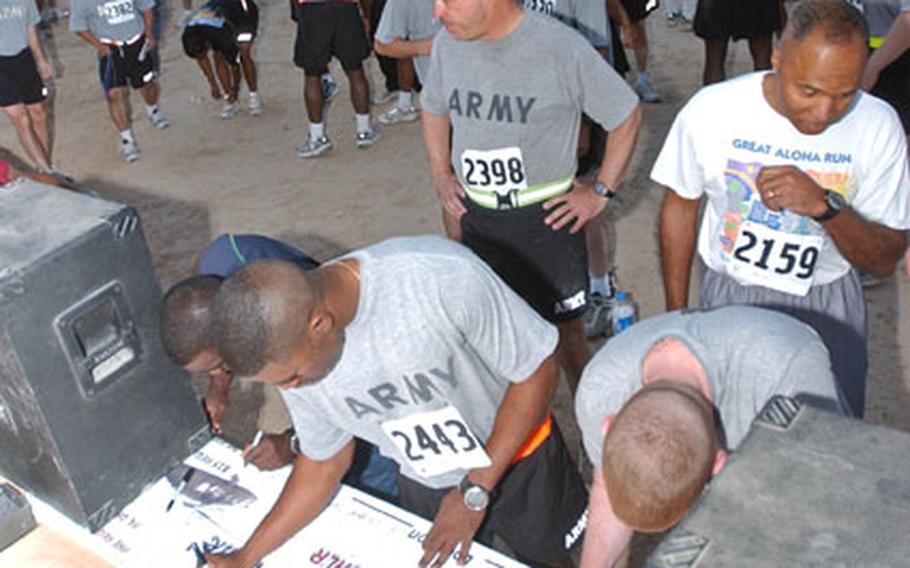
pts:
[34, 45]
[310, 486]
[436, 141]
[871, 247]
[148, 18]
[606, 537]
[522, 408]
[620, 145]
[896, 43]
[402, 49]
[90, 38]
[678, 220]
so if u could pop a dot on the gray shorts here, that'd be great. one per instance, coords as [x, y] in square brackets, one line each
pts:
[836, 311]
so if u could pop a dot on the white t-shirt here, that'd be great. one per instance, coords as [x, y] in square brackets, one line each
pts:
[724, 136]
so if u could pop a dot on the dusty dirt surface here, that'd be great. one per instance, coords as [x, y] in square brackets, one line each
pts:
[204, 176]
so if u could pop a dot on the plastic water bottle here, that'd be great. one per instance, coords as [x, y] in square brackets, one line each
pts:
[623, 312]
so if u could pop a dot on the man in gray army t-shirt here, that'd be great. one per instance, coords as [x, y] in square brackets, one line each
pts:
[416, 346]
[646, 408]
[121, 33]
[513, 84]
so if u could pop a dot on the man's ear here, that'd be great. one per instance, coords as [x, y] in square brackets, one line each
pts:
[720, 460]
[321, 322]
[608, 421]
[775, 58]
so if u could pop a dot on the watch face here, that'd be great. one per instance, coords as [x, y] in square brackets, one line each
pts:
[835, 200]
[476, 498]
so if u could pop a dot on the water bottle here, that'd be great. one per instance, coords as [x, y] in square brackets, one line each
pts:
[623, 312]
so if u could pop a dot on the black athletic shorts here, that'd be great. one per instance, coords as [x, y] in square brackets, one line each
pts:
[326, 29]
[893, 85]
[539, 507]
[246, 22]
[639, 9]
[19, 80]
[737, 19]
[124, 64]
[222, 40]
[548, 268]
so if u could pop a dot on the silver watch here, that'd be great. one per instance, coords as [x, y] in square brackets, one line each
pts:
[602, 190]
[475, 497]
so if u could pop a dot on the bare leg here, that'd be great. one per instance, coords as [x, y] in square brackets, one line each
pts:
[597, 235]
[640, 45]
[28, 137]
[117, 107]
[715, 58]
[572, 351]
[249, 66]
[760, 48]
[360, 90]
[150, 93]
[406, 75]
[38, 116]
[312, 97]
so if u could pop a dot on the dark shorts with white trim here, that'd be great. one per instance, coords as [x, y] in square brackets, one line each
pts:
[127, 62]
[539, 509]
[548, 268]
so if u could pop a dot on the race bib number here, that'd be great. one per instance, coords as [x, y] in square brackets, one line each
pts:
[436, 442]
[782, 261]
[547, 7]
[117, 11]
[501, 171]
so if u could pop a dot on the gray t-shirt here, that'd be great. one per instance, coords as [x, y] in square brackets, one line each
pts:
[526, 91]
[435, 327]
[109, 20]
[589, 17]
[15, 18]
[409, 20]
[749, 354]
[880, 14]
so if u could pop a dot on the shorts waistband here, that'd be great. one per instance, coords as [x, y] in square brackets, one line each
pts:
[117, 43]
[535, 439]
[518, 198]
[876, 42]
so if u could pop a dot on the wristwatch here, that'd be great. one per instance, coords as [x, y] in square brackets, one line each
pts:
[295, 441]
[836, 203]
[602, 190]
[475, 497]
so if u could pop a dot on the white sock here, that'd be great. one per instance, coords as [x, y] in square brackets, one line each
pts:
[363, 122]
[598, 284]
[405, 100]
[254, 94]
[151, 109]
[317, 130]
[127, 136]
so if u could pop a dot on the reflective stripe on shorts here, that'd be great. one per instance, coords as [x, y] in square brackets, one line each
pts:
[519, 197]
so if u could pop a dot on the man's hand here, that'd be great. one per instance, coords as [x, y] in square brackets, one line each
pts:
[103, 50]
[454, 527]
[788, 187]
[580, 204]
[232, 560]
[216, 399]
[273, 452]
[150, 42]
[45, 71]
[450, 193]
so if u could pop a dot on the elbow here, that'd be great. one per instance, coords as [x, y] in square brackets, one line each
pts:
[381, 48]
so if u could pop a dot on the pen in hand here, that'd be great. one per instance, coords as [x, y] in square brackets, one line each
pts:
[256, 440]
[180, 486]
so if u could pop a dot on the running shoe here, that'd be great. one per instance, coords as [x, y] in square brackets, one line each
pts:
[381, 96]
[596, 319]
[130, 151]
[647, 92]
[312, 148]
[396, 114]
[158, 120]
[367, 138]
[329, 90]
[255, 105]
[229, 110]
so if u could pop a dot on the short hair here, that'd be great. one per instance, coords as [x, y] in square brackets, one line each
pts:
[195, 41]
[839, 21]
[261, 315]
[186, 318]
[658, 455]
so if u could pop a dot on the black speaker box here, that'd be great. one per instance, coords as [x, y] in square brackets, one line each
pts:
[806, 487]
[91, 409]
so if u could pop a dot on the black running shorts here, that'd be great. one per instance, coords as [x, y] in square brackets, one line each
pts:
[326, 29]
[539, 507]
[19, 80]
[127, 63]
[737, 19]
[548, 268]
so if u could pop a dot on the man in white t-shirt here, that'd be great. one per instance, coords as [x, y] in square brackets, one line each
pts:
[806, 178]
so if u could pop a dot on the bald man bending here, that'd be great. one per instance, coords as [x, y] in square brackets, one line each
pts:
[415, 345]
[646, 407]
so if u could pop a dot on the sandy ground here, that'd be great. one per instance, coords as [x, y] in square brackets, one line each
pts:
[204, 176]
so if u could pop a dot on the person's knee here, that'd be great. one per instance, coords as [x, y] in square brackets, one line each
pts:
[37, 112]
[16, 113]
